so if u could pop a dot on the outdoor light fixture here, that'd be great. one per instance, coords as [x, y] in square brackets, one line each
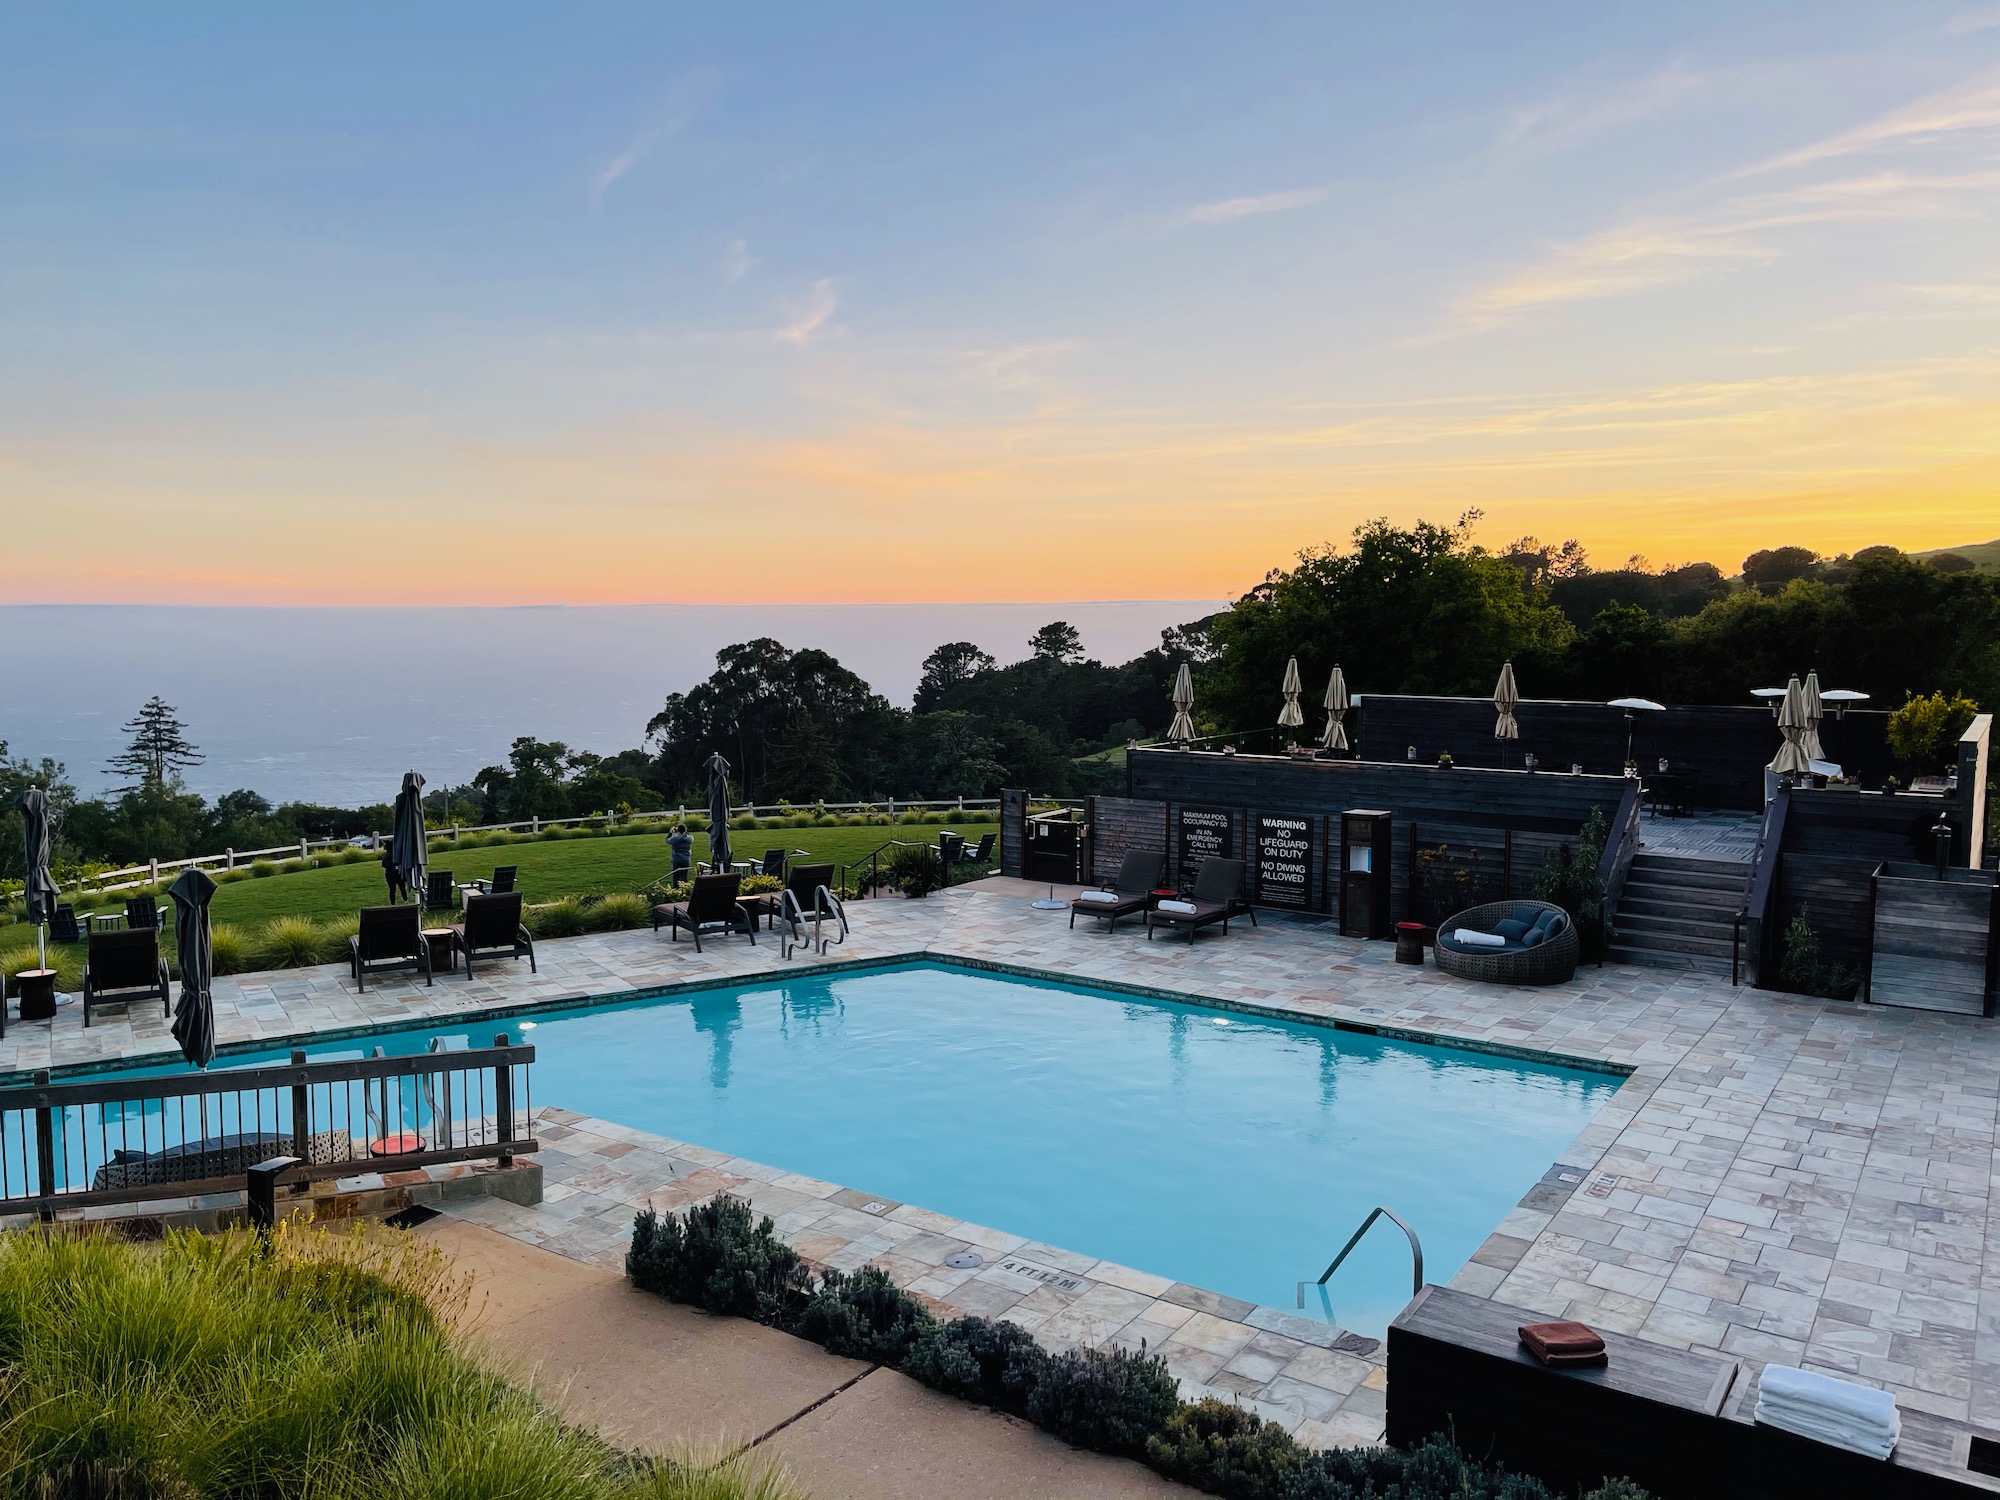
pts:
[1941, 831]
[1840, 698]
[1632, 707]
[1771, 697]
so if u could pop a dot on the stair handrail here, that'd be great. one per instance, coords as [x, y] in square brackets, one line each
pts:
[1868, 963]
[1621, 847]
[1378, 1212]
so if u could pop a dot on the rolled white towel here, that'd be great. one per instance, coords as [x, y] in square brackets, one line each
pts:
[1859, 1418]
[1102, 898]
[1184, 908]
[1478, 939]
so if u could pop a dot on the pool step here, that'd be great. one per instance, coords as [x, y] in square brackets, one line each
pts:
[1679, 913]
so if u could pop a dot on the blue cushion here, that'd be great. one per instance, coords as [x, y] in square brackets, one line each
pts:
[1511, 928]
[1544, 917]
[1535, 935]
[1526, 915]
[1558, 922]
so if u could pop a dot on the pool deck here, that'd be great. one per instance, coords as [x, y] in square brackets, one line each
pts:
[1778, 1178]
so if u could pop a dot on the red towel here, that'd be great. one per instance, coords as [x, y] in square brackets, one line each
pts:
[1563, 1343]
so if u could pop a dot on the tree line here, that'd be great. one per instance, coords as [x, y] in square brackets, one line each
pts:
[1422, 608]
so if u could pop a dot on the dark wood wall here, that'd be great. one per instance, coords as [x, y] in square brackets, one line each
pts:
[1724, 748]
[1498, 825]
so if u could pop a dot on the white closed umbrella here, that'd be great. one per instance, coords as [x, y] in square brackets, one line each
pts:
[1791, 759]
[1505, 697]
[1289, 717]
[1334, 736]
[1182, 729]
[1809, 739]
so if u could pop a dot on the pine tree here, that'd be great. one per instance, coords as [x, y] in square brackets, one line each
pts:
[158, 746]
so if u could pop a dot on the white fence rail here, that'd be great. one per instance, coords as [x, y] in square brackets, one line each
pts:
[150, 872]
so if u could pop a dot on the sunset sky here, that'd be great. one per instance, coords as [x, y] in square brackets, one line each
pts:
[511, 304]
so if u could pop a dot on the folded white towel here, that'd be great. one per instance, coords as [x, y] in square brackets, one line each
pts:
[1841, 1413]
[1185, 908]
[1479, 939]
[1102, 898]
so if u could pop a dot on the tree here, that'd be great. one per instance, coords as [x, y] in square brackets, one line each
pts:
[16, 776]
[159, 745]
[1954, 562]
[1774, 567]
[952, 663]
[1057, 641]
[1540, 564]
[1924, 732]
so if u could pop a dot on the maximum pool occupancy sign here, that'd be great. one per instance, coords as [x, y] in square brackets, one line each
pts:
[1284, 860]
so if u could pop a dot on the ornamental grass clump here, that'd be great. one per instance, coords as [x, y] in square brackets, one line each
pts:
[559, 919]
[290, 943]
[619, 911]
[229, 948]
[324, 1366]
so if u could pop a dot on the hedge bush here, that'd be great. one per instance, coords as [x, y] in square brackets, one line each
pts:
[719, 1257]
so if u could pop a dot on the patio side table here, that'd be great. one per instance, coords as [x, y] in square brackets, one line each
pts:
[443, 943]
[1410, 943]
[38, 993]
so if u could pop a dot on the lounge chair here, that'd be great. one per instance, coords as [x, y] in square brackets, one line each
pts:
[492, 928]
[501, 883]
[1548, 959]
[980, 854]
[142, 911]
[440, 893]
[808, 898]
[391, 937]
[1217, 896]
[773, 862]
[1130, 892]
[123, 966]
[712, 906]
[63, 926]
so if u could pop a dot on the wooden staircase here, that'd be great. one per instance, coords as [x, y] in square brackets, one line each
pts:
[1679, 912]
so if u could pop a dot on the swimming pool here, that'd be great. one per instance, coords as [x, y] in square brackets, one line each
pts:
[1231, 1152]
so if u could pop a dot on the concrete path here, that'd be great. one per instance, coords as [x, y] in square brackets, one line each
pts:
[661, 1378]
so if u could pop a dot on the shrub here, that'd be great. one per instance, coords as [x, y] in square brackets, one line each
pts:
[230, 877]
[12, 962]
[979, 1360]
[1568, 878]
[1804, 970]
[742, 821]
[334, 933]
[558, 919]
[913, 869]
[358, 856]
[714, 1257]
[1110, 1400]
[326, 861]
[294, 866]
[619, 911]
[760, 885]
[262, 869]
[864, 1316]
[1923, 733]
[935, 817]
[289, 943]
[1225, 1450]
[228, 948]
[910, 816]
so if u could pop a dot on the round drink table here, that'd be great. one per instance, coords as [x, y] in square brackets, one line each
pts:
[38, 993]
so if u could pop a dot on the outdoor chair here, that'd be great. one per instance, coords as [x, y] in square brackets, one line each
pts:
[1539, 944]
[440, 893]
[1130, 892]
[391, 937]
[773, 862]
[501, 883]
[142, 911]
[982, 854]
[492, 928]
[712, 906]
[1670, 795]
[63, 926]
[808, 897]
[124, 966]
[1217, 897]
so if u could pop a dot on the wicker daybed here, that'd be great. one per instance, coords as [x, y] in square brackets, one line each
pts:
[1550, 961]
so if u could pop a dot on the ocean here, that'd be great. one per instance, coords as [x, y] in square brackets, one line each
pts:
[333, 705]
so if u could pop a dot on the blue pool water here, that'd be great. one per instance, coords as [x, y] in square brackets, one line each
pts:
[1230, 1152]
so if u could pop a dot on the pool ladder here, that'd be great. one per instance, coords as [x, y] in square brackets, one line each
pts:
[1416, 1253]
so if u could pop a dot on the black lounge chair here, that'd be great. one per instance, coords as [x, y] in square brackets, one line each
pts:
[773, 862]
[712, 906]
[808, 898]
[979, 854]
[499, 884]
[391, 937]
[1132, 890]
[63, 926]
[1217, 896]
[440, 893]
[142, 911]
[124, 966]
[492, 928]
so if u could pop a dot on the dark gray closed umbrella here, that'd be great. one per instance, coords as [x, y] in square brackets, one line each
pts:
[409, 851]
[41, 891]
[718, 812]
[194, 1016]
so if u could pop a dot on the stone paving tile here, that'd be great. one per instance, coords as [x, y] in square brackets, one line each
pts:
[1778, 1177]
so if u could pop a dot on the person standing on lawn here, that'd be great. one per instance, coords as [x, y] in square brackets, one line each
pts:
[681, 842]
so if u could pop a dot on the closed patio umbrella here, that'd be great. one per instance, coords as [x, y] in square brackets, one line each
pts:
[1504, 698]
[37, 837]
[1791, 759]
[1809, 739]
[1182, 729]
[1289, 716]
[194, 1015]
[1334, 736]
[409, 847]
[719, 851]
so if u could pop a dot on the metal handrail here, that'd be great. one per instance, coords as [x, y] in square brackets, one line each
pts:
[1416, 1252]
[1736, 947]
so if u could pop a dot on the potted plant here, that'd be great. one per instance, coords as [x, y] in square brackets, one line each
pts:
[1889, 785]
[1444, 760]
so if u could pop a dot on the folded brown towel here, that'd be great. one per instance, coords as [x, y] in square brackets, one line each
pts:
[1563, 1343]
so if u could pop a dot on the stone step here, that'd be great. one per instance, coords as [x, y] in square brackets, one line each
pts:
[1657, 958]
[1672, 924]
[1674, 942]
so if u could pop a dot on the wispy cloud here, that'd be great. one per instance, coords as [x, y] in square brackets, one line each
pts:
[1572, 118]
[1971, 21]
[820, 304]
[1973, 105]
[684, 98]
[736, 261]
[1224, 210]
